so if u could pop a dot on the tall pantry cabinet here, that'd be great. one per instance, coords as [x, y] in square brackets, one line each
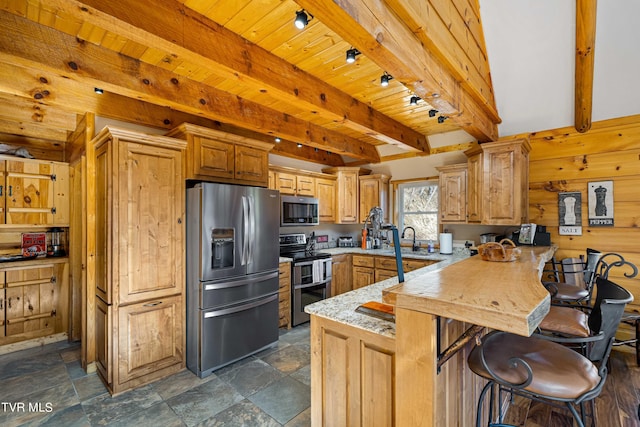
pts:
[140, 307]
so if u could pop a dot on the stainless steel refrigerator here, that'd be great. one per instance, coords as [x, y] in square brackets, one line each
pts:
[232, 273]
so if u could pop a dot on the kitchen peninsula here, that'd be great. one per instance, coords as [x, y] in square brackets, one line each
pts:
[370, 372]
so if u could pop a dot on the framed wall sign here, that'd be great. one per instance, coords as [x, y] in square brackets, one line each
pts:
[600, 204]
[570, 213]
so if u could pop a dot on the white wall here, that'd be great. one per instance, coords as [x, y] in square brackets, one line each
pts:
[531, 49]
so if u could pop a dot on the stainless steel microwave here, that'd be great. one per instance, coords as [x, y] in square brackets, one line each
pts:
[296, 210]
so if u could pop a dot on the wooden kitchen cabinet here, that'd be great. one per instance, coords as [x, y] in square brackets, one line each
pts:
[453, 193]
[34, 192]
[474, 188]
[284, 294]
[306, 186]
[502, 183]
[34, 299]
[326, 194]
[374, 191]
[341, 274]
[347, 192]
[286, 183]
[139, 280]
[222, 157]
[363, 271]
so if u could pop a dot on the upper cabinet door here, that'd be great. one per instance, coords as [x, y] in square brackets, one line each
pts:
[35, 193]
[213, 158]
[150, 221]
[453, 193]
[252, 165]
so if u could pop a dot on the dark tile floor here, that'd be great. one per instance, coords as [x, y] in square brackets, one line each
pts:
[47, 386]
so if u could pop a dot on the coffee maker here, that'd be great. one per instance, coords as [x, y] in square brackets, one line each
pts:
[375, 231]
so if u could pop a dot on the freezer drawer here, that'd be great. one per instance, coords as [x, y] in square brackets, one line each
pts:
[226, 292]
[230, 334]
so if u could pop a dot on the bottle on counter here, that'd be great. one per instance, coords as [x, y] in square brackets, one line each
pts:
[363, 245]
[431, 247]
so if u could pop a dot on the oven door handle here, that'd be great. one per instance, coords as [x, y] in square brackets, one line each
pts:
[234, 283]
[242, 307]
[312, 285]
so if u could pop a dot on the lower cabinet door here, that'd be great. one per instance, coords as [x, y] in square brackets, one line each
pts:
[150, 337]
[104, 347]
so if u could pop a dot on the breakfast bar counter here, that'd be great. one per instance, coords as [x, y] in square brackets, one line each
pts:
[363, 376]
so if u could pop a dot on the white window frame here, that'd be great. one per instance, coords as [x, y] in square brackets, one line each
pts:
[399, 204]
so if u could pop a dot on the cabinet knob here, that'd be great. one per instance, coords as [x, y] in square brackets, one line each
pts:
[179, 220]
[153, 304]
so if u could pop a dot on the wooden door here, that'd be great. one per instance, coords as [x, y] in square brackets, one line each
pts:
[29, 192]
[286, 183]
[104, 342]
[3, 304]
[252, 165]
[284, 305]
[31, 303]
[341, 274]
[150, 221]
[363, 276]
[150, 338]
[369, 191]
[381, 275]
[306, 186]
[347, 197]
[326, 194]
[213, 158]
[453, 193]
[474, 188]
[107, 225]
[501, 205]
[3, 193]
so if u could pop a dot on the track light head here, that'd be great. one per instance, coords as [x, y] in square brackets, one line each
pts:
[384, 79]
[351, 55]
[441, 119]
[302, 19]
[277, 139]
[299, 145]
[432, 112]
[98, 90]
[414, 100]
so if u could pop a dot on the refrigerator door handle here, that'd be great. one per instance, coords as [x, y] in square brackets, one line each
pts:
[245, 233]
[252, 229]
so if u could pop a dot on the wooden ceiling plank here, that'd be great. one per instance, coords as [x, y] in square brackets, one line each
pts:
[98, 66]
[163, 26]
[585, 53]
[32, 130]
[383, 37]
[443, 32]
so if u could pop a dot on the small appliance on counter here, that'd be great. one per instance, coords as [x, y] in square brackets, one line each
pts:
[489, 237]
[56, 242]
[345, 242]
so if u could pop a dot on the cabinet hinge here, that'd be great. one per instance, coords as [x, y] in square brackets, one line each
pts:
[53, 177]
[53, 210]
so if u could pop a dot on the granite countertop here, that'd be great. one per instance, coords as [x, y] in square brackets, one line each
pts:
[341, 308]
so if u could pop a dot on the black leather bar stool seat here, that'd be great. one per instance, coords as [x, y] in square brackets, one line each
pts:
[557, 372]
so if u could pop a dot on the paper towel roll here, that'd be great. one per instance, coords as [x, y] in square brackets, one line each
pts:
[446, 243]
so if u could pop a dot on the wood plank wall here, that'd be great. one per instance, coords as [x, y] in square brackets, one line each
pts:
[564, 160]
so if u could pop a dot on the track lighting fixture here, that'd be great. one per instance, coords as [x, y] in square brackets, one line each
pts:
[98, 90]
[432, 112]
[351, 55]
[414, 100]
[277, 139]
[384, 79]
[441, 119]
[299, 145]
[302, 19]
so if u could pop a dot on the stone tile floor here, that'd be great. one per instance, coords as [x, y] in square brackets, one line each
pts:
[47, 386]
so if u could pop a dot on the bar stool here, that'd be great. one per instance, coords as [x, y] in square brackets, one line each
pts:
[544, 370]
[577, 275]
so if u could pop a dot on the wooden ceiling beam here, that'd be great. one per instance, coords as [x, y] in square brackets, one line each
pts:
[171, 27]
[72, 98]
[585, 52]
[31, 44]
[384, 38]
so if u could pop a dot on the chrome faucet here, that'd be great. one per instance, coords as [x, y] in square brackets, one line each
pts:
[414, 247]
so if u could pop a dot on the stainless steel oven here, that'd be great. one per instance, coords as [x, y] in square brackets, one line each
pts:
[310, 274]
[311, 282]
